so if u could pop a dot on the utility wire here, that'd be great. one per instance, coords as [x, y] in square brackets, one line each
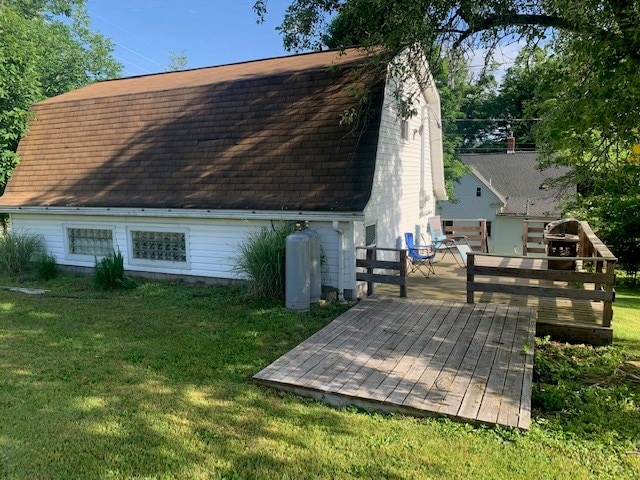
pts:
[136, 53]
[93, 14]
[131, 63]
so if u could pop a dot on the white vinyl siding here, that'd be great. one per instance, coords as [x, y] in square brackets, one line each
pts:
[212, 245]
[402, 195]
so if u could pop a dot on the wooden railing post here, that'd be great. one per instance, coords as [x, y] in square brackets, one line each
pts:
[598, 268]
[403, 273]
[483, 233]
[371, 264]
[371, 255]
[525, 237]
[470, 277]
[607, 307]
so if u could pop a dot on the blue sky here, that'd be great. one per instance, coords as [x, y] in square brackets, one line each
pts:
[211, 32]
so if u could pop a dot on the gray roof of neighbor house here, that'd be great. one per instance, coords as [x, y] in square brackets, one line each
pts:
[261, 135]
[515, 177]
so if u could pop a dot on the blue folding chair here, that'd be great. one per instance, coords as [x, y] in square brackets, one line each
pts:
[417, 260]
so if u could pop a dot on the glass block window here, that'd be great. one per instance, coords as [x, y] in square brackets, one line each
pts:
[90, 241]
[159, 246]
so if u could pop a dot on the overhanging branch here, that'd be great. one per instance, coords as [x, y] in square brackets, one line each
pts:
[510, 20]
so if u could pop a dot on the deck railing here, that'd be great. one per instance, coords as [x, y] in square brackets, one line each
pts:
[595, 266]
[474, 229]
[371, 263]
[533, 237]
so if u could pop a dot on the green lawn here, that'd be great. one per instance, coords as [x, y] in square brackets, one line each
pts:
[155, 383]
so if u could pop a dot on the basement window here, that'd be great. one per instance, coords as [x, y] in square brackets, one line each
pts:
[370, 235]
[94, 242]
[159, 246]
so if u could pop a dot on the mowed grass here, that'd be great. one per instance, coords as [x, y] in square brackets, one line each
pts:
[627, 319]
[155, 383]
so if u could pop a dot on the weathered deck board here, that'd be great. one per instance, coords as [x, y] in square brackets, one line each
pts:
[421, 357]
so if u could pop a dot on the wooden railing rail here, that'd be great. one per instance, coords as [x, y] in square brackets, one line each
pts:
[603, 278]
[533, 233]
[475, 229]
[606, 261]
[591, 245]
[371, 263]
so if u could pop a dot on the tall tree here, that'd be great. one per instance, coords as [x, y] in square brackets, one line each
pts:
[589, 117]
[598, 39]
[46, 48]
[511, 108]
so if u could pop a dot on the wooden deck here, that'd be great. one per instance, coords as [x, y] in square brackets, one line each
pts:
[420, 357]
[554, 315]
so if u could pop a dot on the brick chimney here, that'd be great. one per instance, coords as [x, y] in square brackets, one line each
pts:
[511, 144]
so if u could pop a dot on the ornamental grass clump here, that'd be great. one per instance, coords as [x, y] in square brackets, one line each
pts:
[17, 251]
[46, 266]
[262, 260]
[109, 273]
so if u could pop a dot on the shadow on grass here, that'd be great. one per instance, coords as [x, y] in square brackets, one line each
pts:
[155, 383]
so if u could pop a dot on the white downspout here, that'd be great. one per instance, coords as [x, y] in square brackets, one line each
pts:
[340, 233]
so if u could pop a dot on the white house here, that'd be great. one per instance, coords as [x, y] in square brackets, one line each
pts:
[505, 189]
[176, 169]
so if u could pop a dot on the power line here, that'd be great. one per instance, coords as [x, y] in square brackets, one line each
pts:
[136, 53]
[130, 49]
[131, 63]
[93, 14]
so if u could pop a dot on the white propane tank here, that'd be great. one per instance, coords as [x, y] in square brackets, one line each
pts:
[298, 272]
[315, 273]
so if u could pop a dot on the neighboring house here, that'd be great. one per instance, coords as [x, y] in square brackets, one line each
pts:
[505, 188]
[176, 169]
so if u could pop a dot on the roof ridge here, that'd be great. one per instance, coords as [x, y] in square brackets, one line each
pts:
[232, 64]
[165, 81]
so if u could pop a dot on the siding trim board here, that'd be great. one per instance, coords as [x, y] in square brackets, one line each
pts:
[188, 213]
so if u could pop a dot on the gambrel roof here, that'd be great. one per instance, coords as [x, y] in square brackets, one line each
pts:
[261, 135]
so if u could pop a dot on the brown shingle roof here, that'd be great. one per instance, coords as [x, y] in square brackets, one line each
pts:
[258, 135]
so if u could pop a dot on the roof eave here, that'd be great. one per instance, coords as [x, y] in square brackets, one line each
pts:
[349, 216]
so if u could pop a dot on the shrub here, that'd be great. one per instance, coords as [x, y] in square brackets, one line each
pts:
[46, 266]
[17, 250]
[109, 273]
[262, 260]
